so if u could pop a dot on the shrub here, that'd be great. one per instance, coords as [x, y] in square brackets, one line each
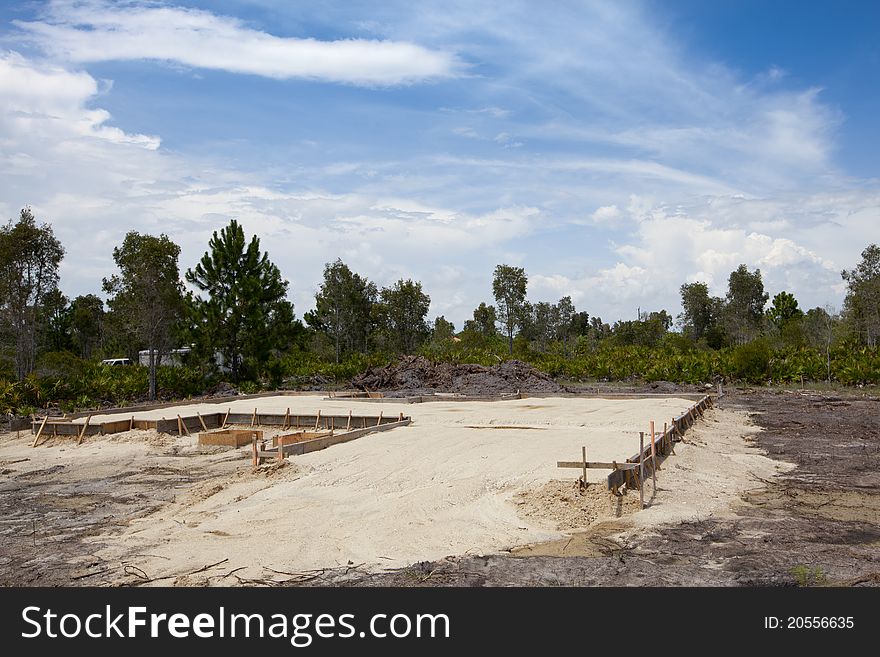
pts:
[751, 362]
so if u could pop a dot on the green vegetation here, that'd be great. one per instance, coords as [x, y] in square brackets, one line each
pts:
[239, 327]
[806, 576]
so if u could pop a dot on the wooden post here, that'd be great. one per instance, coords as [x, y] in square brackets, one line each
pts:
[254, 444]
[653, 452]
[400, 417]
[584, 454]
[40, 430]
[318, 420]
[614, 488]
[82, 432]
[201, 421]
[379, 421]
[642, 469]
[181, 427]
[332, 422]
[287, 419]
[225, 417]
[653, 459]
[254, 417]
[131, 423]
[348, 424]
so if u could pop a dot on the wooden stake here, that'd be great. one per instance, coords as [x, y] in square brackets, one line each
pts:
[642, 469]
[254, 444]
[379, 421]
[318, 420]
[225, 417]
[653, 452]
[201, 421]
[131, 423]
[181, 426]
[40, 430]
[254, 417]
[348, 424]
[653, 458]
[584, 454]
[82, 432]
[287, 419]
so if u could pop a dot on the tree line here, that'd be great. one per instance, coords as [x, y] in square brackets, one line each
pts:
[237, 320]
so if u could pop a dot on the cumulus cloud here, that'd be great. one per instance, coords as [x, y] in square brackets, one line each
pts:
[49, 100]
[99, 31]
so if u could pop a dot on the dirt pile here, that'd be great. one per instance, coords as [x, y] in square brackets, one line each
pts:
[416, 375]
[567, 506]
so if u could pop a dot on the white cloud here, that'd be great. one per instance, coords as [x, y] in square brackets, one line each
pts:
[606, 214]
[98, 31]
[53, 102]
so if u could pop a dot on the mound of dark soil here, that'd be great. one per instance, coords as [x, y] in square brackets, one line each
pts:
[416, 375]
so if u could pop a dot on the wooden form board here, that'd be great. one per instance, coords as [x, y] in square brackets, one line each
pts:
[230, 437]
[663, 446]
[197, 423]
[299, 436]
[316, 444]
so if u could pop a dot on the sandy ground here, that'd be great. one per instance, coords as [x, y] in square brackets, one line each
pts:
[464, 478]
[440, 486]
[706, 478]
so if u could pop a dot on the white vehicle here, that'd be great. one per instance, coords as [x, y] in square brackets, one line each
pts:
[116, 361]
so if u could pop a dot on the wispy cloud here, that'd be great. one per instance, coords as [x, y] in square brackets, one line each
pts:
[98, 31]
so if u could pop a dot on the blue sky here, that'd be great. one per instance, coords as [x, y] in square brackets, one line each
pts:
[613, 149]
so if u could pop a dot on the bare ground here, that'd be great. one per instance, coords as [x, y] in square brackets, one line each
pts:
[814, 524]
[817, 524]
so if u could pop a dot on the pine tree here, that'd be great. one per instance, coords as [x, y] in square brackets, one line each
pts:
[244, 316]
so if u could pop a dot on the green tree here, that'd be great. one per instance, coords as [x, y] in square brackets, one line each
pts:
[544, 324]
[443, 330]
[146, 297]
[697, 317]
[509, 287]
[29, 259]
[745, 304]
[344, 309]
[861, 307]
[56, 321]
[245, 315]
[565, 322]
[820, 326]
[403, 310]
[86, 323]
[783, 310]
[483, 322]
[646, 332]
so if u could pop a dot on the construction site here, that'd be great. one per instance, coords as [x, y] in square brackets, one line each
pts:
[406, 484]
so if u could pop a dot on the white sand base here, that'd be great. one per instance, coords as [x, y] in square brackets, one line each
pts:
[449, 484]
[441, 486]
